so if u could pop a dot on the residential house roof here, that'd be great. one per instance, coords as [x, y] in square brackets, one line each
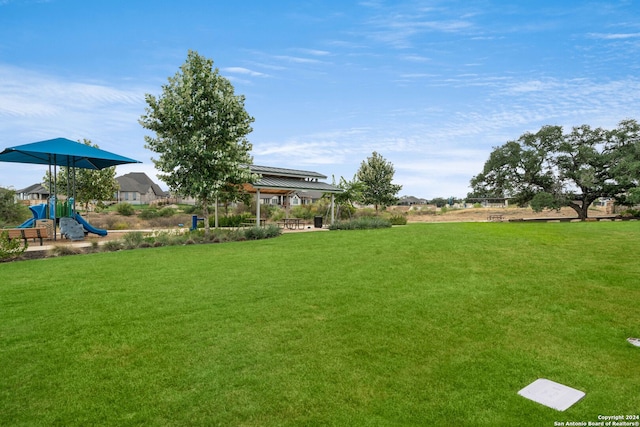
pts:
[34, 189]
[139, 182]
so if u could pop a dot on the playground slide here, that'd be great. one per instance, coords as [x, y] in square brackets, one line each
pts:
[28, 223]
[90, 228]
[38, 212]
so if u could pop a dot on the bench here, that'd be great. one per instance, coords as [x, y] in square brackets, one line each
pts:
[496, 217]
[28, 233]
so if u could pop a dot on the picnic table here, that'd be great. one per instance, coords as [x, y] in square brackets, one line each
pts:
[249, 222]
[291, 223]
[495, 217]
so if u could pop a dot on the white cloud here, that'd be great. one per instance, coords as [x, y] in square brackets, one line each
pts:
[614, 36]
[244, 71]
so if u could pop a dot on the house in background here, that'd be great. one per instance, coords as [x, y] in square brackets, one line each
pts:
[411, 200]
[33, 195]
[138, 189]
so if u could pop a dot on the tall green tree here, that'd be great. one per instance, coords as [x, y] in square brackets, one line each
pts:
[90, 184]
[550, 169]
[376, 176]
[201, 128]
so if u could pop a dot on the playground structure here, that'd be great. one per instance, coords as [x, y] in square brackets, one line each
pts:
[72, 225]
[64, 153]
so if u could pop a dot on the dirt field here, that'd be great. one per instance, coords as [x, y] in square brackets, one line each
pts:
[481, 214]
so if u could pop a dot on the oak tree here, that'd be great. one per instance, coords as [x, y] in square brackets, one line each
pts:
[550, 169]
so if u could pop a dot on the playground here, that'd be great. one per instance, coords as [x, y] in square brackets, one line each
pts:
[61, 214]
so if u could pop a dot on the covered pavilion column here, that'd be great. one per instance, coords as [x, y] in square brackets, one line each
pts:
[258, 207]
[333, 198]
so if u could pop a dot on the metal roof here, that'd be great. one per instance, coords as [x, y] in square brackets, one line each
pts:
[278, 183]
[282, 172]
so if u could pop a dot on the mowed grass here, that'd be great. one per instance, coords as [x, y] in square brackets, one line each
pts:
[432, 324]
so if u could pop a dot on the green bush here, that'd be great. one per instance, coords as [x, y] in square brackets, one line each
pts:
[362, 223]
[631, 213]
[11, 248]
[147, 214]
[133, 240]
[125, 209]
[112, 246]
[229, 221]
[303, 211]
[190, 209]
[64, 250]
[166, 212]
[256, 233]
[398, 220]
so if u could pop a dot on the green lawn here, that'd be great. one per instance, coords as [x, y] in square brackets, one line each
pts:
[434, 324]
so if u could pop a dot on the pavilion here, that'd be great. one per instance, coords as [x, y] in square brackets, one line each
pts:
[285, 182]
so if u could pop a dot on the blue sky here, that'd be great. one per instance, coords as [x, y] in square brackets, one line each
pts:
[432, 86]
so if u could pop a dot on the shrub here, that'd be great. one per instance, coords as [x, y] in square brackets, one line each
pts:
[11, 248]
[398, 220]
[166, 212]
[148, 214]
[256, 233]
[190, 209]
[229, 221]
[125, 209]
[121, 225]
[133, 240]
[112, 246]
[63, 250]
[631, 213]
[362, 223]
[303, 211]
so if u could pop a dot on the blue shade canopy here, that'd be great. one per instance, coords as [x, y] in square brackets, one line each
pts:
[63, 152]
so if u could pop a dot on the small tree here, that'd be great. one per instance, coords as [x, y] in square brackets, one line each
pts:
[10, 211]
[376, 176]
[351, 193]
[201, 128]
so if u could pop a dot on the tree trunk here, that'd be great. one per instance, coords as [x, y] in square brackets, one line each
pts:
[205, 215]
[582, 208]
[216, 214]
[582, 213]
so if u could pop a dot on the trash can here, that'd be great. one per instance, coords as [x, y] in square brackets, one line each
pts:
[317, 221]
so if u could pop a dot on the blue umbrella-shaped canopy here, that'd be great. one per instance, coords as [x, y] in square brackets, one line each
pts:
[63, 152]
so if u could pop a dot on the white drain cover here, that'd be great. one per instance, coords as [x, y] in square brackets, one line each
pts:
[551, 394]
[634, 341]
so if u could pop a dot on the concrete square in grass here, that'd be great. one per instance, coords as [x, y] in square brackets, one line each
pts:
[551, 394]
